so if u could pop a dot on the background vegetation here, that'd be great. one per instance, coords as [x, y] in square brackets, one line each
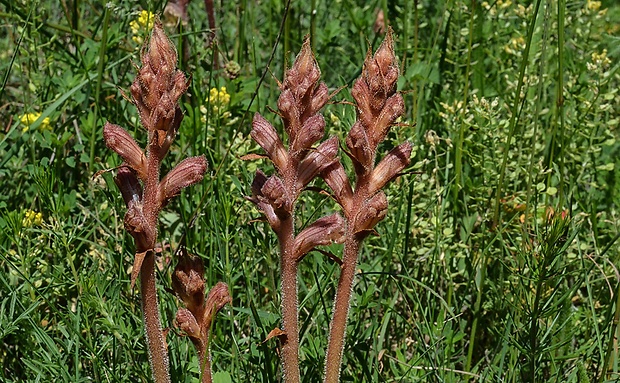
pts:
[497, 261]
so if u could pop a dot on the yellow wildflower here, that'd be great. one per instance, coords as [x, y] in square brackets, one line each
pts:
[599, 60]
[29, 119]
[504, 3]
[218, 101]
[32, 218]
[516, 44]
[334, 119]
[220, 97]
[593, 5]
[142, 25]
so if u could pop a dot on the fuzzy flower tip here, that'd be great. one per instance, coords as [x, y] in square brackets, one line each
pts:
[29, 118]
[142, 26]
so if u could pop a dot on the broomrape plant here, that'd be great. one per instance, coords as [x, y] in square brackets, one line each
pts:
[156, 92]
[363, 203]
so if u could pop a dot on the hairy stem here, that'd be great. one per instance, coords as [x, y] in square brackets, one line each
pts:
[342, 302]
[205, 364]
[288, 269]
[158, 352]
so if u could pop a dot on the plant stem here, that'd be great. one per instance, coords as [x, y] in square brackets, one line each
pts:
[477, 311]
[211, 18]
[607, 362]
[100, 67]
[458, 167]
[205, 363]
[158, 352]
[288, 269]
[342, 302]
[514, 114]
[560, 98]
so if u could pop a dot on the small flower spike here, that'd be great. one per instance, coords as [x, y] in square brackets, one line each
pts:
[197, 318]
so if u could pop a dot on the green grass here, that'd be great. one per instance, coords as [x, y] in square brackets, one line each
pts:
[513, 114]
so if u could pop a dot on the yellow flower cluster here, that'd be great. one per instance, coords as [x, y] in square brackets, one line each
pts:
[29, 118]
[593, 5]
[218, 97]
[32, 218]
[495, 6]
[218, 101]
[516, 45]
[142, 25]
[335, 120]
[599, 60]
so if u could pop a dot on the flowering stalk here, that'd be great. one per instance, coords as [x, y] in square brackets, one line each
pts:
[378, 106]
[299, 104]
[155, 92]
[196, 319]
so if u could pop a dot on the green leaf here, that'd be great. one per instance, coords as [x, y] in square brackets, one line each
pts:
[222, 377]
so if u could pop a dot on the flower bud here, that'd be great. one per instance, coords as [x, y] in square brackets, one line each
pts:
[277, 195]
[319, 99]
[218, 297]
[337, 179]
[129, 185]
[186, 321]
[261, 202]
[188, 281]
[360, 150]
[159, 85]
[394, 107]
[161, 53]
[311, 131]
[317, 161]
[304, 73]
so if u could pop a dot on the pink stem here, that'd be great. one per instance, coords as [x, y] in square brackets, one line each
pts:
[158, 352]
[342, 302]
[288, 269]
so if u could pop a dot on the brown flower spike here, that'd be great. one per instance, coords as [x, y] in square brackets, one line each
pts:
[155, 92]
[300, 101]
[196, 320]
[378, 107]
